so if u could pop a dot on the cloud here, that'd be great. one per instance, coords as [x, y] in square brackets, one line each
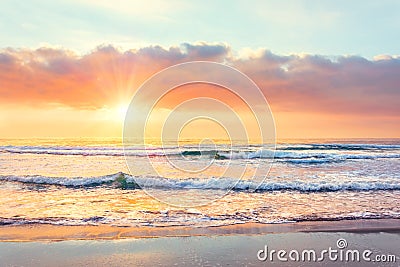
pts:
[217, 52]
[293, 83]
[317, 83]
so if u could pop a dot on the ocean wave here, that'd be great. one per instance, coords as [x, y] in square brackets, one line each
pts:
[87, 151]
[294, 157]
[293, 154]
[109, 151]
[120, 178]
[311, 161]
[55, 221]
[162, 219]
[337, 146]
[125, 181]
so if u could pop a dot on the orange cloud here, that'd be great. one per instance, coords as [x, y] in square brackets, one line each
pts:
[300, 84]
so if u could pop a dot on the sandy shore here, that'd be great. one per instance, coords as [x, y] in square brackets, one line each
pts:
[236, 245]
[47, 232]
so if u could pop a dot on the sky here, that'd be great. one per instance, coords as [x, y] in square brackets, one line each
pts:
[366, 28]
[327, 68]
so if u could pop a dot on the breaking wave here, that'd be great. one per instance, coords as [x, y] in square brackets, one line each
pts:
[125, 181]
[293, 154]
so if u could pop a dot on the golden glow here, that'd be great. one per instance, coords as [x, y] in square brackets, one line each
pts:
[20, 121]
[119, 112]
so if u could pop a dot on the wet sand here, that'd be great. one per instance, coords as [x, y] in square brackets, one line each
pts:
[48, 232]
[235, 245]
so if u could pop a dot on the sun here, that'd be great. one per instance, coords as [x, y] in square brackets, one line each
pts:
[119, 112]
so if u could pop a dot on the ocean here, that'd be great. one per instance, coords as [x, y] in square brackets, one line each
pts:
[87, 182]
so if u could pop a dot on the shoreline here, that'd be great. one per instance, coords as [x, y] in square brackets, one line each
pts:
[52, 233]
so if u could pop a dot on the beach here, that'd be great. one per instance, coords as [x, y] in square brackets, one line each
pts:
[235, 245]
[76, 202]
[48, 232]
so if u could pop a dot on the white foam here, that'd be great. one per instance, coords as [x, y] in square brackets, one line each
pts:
[63, 181]
[295, 154]
[207, 184]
